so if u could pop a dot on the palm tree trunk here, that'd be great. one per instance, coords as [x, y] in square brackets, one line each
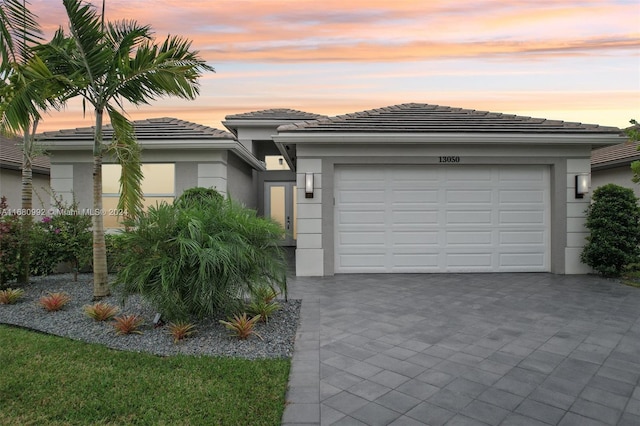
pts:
[27, 205]
[100, 277]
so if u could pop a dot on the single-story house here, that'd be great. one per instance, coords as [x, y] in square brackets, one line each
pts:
[612, 164]
[11, 176]
[405, 188]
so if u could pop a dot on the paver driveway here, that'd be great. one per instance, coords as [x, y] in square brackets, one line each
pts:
[465, 349]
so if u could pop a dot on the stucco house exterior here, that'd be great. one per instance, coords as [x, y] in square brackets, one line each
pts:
[11, 175]
[410, 188]
[612, 164]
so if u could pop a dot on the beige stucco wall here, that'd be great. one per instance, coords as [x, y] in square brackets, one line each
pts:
[619, 175]
[315, 251]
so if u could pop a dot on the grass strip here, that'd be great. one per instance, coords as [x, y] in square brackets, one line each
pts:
[49, 380]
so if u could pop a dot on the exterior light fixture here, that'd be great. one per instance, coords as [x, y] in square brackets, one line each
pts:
[582, 184]
[308, 185]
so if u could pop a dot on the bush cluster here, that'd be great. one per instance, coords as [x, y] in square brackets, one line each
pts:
[613, 219]
[200, 256]
[53, 240]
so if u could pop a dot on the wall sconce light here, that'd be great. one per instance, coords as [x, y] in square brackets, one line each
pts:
[308, 185]
[582, 184]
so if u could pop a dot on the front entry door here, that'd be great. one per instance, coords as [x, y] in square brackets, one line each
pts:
[280, 205]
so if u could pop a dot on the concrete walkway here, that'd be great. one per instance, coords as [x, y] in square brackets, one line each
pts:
[465, 349]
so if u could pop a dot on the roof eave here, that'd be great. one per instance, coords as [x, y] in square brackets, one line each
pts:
[595, 140]
[159, 144]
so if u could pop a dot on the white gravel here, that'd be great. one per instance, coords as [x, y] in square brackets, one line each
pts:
[211, 338]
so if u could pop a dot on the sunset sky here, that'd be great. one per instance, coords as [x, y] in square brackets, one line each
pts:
[574, 60]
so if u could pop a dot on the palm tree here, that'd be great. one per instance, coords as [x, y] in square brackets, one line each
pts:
[27, 87]
[114, 63]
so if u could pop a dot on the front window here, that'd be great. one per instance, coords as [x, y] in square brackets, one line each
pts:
[158, 185]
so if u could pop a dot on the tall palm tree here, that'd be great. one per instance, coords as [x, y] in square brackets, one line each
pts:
[27, 87]
[114, 63]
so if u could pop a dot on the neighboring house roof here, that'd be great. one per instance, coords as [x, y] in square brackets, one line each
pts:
[426, 118]
[155, 133]
[275, 114]
[616, 155]
[152, 128]
[11, 156]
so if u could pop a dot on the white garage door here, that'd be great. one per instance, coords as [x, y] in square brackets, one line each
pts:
[457, 218]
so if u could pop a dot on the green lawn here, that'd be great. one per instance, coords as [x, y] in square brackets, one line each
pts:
[51, 380]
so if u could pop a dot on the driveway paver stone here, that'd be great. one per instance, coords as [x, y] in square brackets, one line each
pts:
[467, 349]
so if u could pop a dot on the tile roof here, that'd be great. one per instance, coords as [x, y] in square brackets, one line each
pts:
[616, 154]
[426, 118]
[152, 128]
[11, 156]
[275, 114]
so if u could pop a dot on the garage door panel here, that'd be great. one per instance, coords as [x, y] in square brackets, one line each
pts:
[522, 175]
[468, 196]
[412, 196]
[521, 197]
[415, 260]
[469, 260]
[468, 217]
[482, 238]
[363, 238]
[362, 196]
[521, 237]
[413, 238]
[360, 217]
[522, 217]
[413, 217]
[452, 218]
[523, 260]
[455, 174]
[363, 262]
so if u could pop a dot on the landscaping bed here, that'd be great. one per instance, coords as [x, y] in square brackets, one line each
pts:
[211, 338]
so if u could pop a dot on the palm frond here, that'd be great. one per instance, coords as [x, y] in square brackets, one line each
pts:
[19, 31]
[59, 55]
[92, 51]
[125, 35]
[127, 151]
[33, 88]
[168, 69]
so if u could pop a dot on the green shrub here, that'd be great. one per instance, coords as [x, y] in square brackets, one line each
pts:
[116, 255]
[201, 259]
[47, 247]
[198, 196]
[614, 221]
[62, 237]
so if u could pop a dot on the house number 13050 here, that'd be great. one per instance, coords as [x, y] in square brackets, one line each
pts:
[449, 159]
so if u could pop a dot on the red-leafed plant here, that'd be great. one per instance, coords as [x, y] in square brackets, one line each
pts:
[54, 301]
[181, 330]
[242, 326]
[101, 311]
[127, 324]
[10, 296]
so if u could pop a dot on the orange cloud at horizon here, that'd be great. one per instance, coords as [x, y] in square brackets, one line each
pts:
[573, 60]
[614, 109]
[379, 30]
